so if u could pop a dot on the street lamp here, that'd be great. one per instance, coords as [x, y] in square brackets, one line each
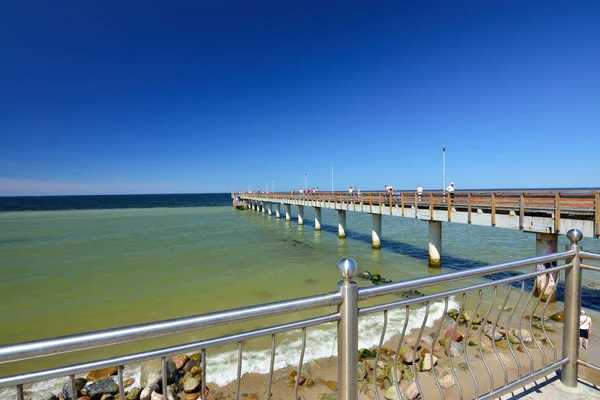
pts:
[444, 168]
[305, 185]
[331, 178]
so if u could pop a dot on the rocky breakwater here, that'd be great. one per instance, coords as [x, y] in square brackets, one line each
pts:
[437, 361]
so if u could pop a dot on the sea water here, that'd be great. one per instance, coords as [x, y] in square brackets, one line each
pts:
[83, 263]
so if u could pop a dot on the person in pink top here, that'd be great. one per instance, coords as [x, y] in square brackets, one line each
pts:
[585, 326]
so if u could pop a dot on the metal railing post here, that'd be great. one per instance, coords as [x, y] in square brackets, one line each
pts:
[572, 310]
[348, 332]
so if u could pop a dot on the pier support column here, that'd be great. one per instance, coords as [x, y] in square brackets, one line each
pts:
[435, 244]
[376, 231]
[277, 213]
[270, 208]
[300, 215]
[288, 212]
[341, 224]
[317, 218]
[264, 208]
[546, 243]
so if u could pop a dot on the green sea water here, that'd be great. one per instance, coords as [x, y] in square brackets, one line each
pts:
[66, 272]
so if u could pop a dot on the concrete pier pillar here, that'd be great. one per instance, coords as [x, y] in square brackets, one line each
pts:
[435, 244]
[376, 231]
[546, 243]
[264, 208]
[317, 218]
[300, 215]
[342, 223]
[288, 212]
[270, 208]
[277, 213]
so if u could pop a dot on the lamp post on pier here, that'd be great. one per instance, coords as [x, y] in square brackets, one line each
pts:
[305, 185]
[331, 178]
[444, 169]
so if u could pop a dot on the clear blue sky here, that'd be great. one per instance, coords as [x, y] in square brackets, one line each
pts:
[209, 96]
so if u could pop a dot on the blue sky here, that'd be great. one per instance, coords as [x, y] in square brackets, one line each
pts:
[167, 97]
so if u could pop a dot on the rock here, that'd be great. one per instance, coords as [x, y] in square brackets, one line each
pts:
[558, 317]
[180, 361]
[107, 397]
[101, 374]
[362, 371]
[456, 335]
[66, 389]
[447, 381]
[99, 388]
[192, 396]
[524, 335]
[390, 373]
[332, 385]
[456, 349]
[82, 398]
[148, 390]
[328, 396]
[521, 348]
[157, 396]
[491, 332]
[196, 370]
[408, 356]
[252, 396]
[513, 338]
[171, 372]
[427, 362]
[463, 367]
[391, 394]
[309, 382]
[453, 313]
[128, 382]
[411, 391]
[191, 385]
[370, 364]
[133, 394]
[191, 363]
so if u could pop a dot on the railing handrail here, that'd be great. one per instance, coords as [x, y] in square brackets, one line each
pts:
[109, 337]
[416, 283]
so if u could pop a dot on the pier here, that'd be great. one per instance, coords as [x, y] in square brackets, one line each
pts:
[547, 213]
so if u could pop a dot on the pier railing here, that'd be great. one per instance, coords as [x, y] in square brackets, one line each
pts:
[491, 336]
[580, 204]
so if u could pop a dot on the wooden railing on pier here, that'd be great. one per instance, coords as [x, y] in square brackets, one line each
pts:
[570, 204]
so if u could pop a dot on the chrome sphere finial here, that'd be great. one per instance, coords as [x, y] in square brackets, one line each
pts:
[574, 235]
[347, 268]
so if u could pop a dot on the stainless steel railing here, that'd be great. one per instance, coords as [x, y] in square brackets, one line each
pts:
[528, 357]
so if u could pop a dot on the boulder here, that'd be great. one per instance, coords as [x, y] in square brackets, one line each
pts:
[456, 335]
[524, 335]
[148, 390]
[180, 361]
[66, 389]
[447, 381]
[558, 317]
[101, 374]
[99, 388]
[427, 361]
[133, 394]
[191, 385]
[491, 332]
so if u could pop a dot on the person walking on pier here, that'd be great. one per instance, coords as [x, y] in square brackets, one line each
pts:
[450, 190]
[420, 192]
[585, 326]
